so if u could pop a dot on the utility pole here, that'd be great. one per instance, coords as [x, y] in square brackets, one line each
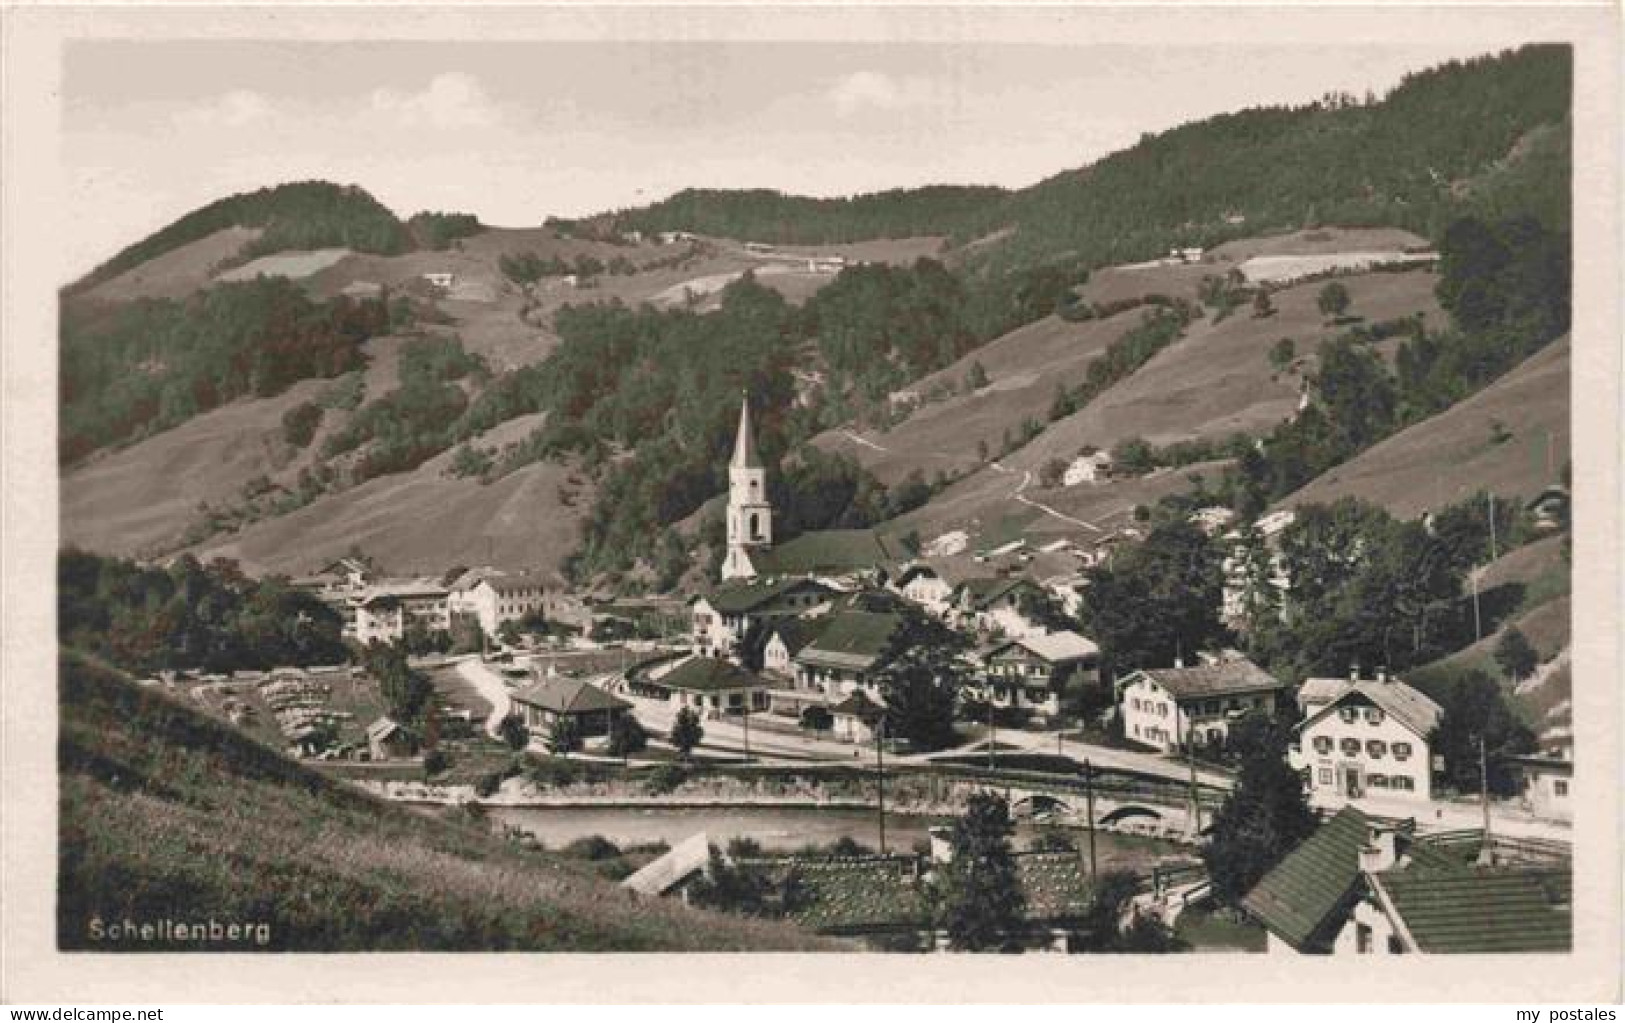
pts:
[1478, 624]
[1190, 756]
[992, 728]
[747, 724]
[1089, 801]
[880, 769]
[1491, 497]
[1486, 854]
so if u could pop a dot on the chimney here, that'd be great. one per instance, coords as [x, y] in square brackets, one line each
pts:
[1354, 673]
[1380, 851]
[1382, 675]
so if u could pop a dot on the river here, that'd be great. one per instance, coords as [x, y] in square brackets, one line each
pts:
[786, 828]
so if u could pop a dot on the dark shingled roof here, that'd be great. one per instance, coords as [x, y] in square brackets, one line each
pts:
[568, 696]
[744, 597]
[827, 550]
[858, 704]
[1489, 909]
[1296, 899]
[852, 640]
[796, 633]
[707, 675]
[1222, 679]
[985, 591]
[1399, 701]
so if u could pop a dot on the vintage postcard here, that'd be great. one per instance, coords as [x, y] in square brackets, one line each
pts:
[1130, 490]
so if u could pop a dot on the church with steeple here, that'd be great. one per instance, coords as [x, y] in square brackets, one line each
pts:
[751, 553]
[750, 515]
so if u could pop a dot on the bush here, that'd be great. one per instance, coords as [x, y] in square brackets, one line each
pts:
[592, 847]
[665, 779]
[435, 762]
[300, 422]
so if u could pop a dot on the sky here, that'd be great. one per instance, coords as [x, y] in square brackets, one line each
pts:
[515, 132]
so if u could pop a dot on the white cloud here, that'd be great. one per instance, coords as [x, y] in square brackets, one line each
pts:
[233, 110]
[451, 100]
[879, 91]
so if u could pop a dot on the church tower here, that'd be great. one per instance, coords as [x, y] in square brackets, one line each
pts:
[750, 516]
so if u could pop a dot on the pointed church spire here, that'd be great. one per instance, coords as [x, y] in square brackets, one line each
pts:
[745, 456]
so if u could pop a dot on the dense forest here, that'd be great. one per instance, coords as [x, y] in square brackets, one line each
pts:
[299, 215]
[190, 616]
[763, 215]
[148, 365]
[1488, 136]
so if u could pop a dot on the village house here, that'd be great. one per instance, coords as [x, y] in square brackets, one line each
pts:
[384, 611]
[931, 583]
[1091, 468]
[1033, 672]
[545, 703]
[441, 279]
[388, 739]
[786, 637]
[1546, 783]
[995, 604]
[856, 717]
[1364, 885]
[711, 687]
[1162, 707]
[494, 598]
[1242, 583]
[847, 653]
[337, 584]
[720, 619]
[1365, 738]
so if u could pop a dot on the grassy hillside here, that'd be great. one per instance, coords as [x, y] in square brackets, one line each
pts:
[1459, 451]
[167, 815]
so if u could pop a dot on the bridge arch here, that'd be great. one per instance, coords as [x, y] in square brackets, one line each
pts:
[1128, 811]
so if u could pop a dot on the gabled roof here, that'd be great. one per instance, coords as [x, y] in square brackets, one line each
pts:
[855, 640]
[745, 597]
[1054, 647]
[400, 589]
[1202, 681]
[983, 592]
[678, 864]
[857, 704]
[1485, 909]
[827, 550]
[796, 633]
[951, 569]
[383, 728]
[521, 581]
[1299, 897]
[568, 696]
[1399, 701]
[707, 675]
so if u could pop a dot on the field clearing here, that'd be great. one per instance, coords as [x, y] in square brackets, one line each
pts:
[1452, 455]
[178, 272]
[1276, 269]
[293, 265]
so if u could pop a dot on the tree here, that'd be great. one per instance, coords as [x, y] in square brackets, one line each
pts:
[687, 732]
[1109, 904]
[983, 904]
[1515, 654]
[1476, 711]
[1262, 306]
[514, 733]
[976, 377]
[1051, 473]
[626, 736]
[406, 691]
[1333, 300]
[921, 680]
[564, 736]
[1282, 352]
[1158, 601]
[1264, 817]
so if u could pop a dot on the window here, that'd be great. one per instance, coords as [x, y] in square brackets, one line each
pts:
[1362, 938]
[1325, 776]
[1375, 748]
[1373, 715]
[1348, 714]
[1323, 744]
[1560, 787]
[1402, 751]
[1350, 747]
[1377, 781]
[1404, 784]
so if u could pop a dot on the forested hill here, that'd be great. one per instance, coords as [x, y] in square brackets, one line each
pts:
[1448, 141]
[298, 215]
[764, 215]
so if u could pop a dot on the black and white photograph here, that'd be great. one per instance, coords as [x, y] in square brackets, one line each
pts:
[952, 489]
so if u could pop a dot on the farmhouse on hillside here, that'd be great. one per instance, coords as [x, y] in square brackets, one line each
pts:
[1162, 707]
